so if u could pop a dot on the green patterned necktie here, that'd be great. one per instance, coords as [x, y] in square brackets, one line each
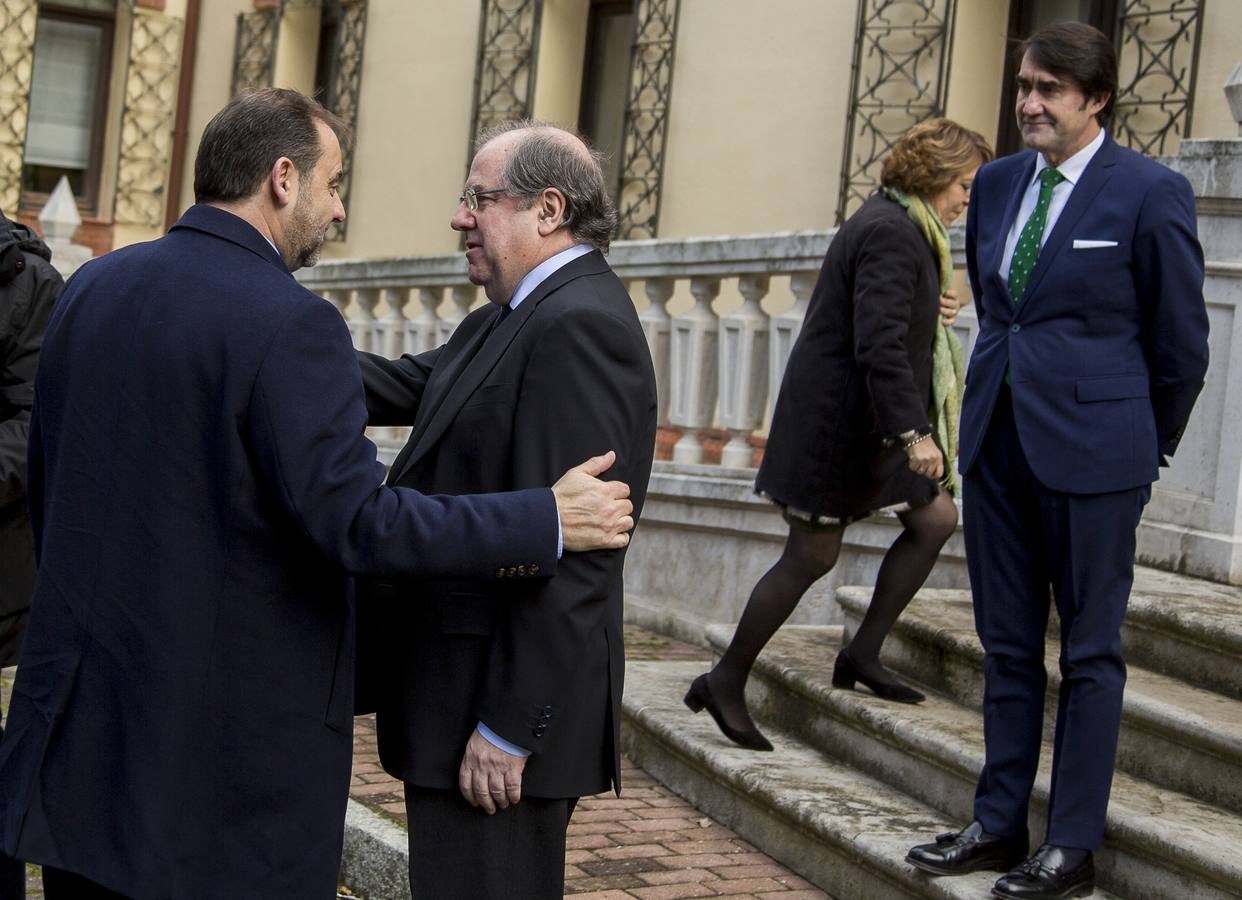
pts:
[1027, 249]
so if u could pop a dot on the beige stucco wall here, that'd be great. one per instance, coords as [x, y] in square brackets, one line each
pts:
[297, 46]
[562, 43]
[1219, 52]
[976, 73]
[760, 95]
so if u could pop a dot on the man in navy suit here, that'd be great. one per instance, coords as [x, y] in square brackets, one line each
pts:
[1092, 348]
[201, 491]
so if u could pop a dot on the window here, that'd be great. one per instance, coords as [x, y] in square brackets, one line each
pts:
[605, 77]
[68, 98]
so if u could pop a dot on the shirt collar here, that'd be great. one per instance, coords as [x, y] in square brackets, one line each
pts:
[1073, 167]
[540, 273]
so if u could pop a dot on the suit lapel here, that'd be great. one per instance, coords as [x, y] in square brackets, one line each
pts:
[476, 361]
[1094, 177]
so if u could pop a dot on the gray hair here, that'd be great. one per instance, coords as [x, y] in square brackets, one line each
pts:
[545, 159]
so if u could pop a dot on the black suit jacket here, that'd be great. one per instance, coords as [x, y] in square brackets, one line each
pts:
[201, 489]
[565, 376]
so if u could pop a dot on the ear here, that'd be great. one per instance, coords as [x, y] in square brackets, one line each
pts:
[552, 211]
[283, 180]
[1097, 103]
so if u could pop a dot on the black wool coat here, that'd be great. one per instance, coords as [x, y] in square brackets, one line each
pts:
[859, 372]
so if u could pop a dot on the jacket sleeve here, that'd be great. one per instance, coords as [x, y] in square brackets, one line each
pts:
[394, 387]
[1168, 277]
[305, 431]
[885, 283]
[32, 294]
[586, 390]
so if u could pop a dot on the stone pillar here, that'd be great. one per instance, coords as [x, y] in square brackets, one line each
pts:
[59, 220]
[1194, 521]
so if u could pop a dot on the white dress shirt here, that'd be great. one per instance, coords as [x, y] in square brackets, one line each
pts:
[1072, 170]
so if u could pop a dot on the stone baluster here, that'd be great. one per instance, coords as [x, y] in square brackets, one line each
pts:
[59, 220]
[338, 297]
[362, 323]
[420, 329]
[692, 369]
[390, 328]
[462, 295]
[655, 322]
[743, 369]
[784, 332]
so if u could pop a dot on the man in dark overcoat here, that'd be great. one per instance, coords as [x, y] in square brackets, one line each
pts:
[500, 699]
[28, 288]
[202, 491]
[1092, 349]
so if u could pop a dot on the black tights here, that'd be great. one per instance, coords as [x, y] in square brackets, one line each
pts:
[807, 557]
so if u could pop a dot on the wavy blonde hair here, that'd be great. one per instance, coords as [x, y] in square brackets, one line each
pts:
[927, 158]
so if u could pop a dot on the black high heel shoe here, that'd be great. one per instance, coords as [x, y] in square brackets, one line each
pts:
[846, 672]
[700, 697]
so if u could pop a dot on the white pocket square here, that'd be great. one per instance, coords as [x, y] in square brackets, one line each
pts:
[1093, 245]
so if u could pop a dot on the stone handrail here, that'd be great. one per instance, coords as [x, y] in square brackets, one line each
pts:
[719, 358]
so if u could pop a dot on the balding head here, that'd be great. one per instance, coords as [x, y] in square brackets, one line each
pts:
[540, 156]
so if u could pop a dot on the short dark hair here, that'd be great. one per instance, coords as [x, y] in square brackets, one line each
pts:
[544, 158]
[931, 156]
[242, 142]
[1080, 53]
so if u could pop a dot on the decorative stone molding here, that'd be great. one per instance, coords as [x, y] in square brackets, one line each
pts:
[148, 117]
[17, 34]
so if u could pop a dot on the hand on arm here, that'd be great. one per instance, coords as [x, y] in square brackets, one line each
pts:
[595, 515]
[949, 308]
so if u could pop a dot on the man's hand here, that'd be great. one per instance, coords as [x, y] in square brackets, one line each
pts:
[949, 306]
[488, 776]
[595, 515]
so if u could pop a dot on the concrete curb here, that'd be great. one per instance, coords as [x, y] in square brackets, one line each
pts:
[374, 864]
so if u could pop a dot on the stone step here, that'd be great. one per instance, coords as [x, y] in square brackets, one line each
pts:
[838, 827]
[1175, 735]
[1159, 843]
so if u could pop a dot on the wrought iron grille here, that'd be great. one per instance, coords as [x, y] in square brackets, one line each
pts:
[1158, 55]
[900, 76]
[646, 117]
[17, 32]
[148, 117]
[254, 51]
[504, 80]
[345, 80]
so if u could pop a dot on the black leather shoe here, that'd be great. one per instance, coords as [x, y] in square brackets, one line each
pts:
[700, 697]
[882, 683]
[1047, 876]
[968, 850]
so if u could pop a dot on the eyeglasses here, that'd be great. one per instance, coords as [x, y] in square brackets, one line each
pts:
[470, 197]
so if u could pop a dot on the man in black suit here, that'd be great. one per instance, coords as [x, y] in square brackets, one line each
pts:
[495, 692]
[201, 492]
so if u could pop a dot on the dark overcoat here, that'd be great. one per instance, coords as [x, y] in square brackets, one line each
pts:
[28, 288]
[565, 376]
[859, 372]
[201, 491]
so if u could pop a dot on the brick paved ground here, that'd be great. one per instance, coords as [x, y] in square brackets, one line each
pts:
[649, 843]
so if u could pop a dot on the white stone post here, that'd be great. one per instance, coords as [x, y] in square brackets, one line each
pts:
[784, 333]
[692, 369]
[338, 297]
[656, 325]
[362, 324]
[743, 370]
[462, 295]
[420, 330]
[59, 220]
[390, 328]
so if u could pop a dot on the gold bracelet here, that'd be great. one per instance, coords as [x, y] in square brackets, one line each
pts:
[908, 444]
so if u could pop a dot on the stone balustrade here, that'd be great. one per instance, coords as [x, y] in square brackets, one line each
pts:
[720, 314]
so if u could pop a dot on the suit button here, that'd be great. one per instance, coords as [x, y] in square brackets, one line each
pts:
[1015, 328]
[512, 571]
[521, 570]
[500, 573]
[539, 729]
[534, 569]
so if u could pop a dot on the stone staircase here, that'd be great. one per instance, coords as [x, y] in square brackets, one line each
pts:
[855, 780]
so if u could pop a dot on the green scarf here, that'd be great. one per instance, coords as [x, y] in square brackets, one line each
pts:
[948, 357]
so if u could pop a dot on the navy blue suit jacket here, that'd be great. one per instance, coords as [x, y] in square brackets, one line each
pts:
[1107, 351]
[201, 491]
